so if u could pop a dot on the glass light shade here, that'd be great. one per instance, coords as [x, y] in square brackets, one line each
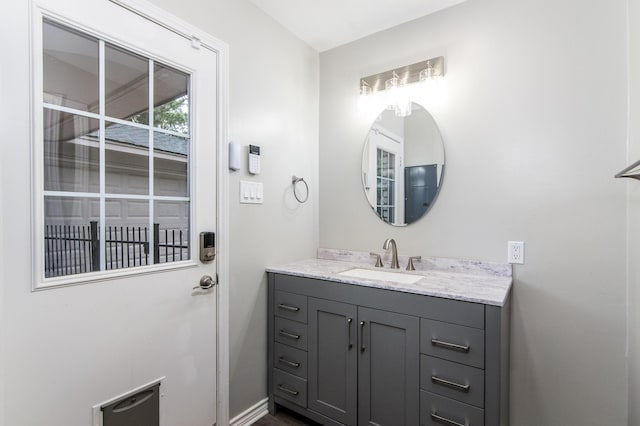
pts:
[427, 73]
[391, 89]
[403, 109]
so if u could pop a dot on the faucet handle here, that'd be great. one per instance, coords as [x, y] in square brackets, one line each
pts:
[410, 266]
[378, 259]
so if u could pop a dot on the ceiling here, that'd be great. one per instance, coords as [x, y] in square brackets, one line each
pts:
[325, 24]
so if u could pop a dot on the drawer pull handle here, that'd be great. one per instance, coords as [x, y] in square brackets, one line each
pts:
[452, 346]
[445, 421]
[454, 385]
[288, 308]
[291, 363]
[289, 335]
[289, 391]
[349, 321]
[362, 346]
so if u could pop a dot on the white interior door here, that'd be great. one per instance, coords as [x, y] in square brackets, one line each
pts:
[116, 168]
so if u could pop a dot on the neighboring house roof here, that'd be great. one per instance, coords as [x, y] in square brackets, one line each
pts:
[140, 137]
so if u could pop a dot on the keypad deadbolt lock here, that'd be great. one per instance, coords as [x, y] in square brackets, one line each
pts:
[207, 247]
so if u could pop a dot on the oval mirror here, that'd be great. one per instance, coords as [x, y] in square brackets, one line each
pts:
[402, 164]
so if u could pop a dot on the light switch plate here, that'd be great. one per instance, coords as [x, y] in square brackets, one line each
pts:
[251, 192]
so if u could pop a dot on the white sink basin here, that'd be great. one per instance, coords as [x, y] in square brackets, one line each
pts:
[369, 274]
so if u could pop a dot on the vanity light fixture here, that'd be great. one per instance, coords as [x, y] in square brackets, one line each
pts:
[392, 88]
[365, 89]
[394, 82]
[427, 73]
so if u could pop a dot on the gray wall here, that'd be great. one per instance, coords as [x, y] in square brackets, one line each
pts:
[634, 214]
[273, 103]
[533, 135]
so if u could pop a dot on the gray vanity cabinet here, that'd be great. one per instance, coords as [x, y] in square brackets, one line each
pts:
[343, 354]
[362, 364]
[387, 367]
[333, 374]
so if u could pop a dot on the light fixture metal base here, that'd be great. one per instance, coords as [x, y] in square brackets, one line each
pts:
[408, 74]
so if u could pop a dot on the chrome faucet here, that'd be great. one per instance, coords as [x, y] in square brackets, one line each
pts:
[394, 252]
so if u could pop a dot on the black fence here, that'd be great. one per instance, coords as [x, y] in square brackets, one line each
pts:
[74, 249]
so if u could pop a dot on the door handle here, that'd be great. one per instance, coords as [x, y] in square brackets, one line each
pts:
[452, 346]
[206, 283]
[288, 308]
[349, 321]
[453, 385]
[289, 391]
[289, 363]
[444, 421]
[289, 335]
[362, 347]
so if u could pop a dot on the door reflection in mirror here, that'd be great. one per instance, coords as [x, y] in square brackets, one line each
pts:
[402, 165]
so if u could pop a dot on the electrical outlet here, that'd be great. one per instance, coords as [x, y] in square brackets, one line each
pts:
[515, 252]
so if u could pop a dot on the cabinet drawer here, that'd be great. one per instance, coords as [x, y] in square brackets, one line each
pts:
[290, 387]
[291, 306]
[456, 381]
[437, 410]
[290, 359]
[291, 333]
[453, 342]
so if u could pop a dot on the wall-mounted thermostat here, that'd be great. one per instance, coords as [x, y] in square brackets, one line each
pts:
[254, 159]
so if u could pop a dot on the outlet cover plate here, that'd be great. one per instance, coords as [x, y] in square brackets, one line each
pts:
[515, 252]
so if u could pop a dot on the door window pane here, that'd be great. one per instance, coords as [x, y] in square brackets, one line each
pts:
[71, 235]
[127, 233]
[170, 99]
[171, 160]
[70, 65]
[386, 185]
[71, 156]
[126, 85]
[127, 159]
[171, 221]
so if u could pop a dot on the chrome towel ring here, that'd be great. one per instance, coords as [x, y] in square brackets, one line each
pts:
[294, 183]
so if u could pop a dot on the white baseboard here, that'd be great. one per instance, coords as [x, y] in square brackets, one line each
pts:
[252, 414]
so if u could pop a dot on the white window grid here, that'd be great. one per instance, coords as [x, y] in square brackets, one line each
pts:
[102, 195]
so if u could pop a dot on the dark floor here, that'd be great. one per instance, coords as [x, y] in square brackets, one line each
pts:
[284, 417]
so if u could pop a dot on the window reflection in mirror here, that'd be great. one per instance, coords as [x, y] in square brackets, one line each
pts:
[402, 165]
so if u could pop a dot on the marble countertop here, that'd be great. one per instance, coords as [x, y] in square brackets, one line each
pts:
[471, 281]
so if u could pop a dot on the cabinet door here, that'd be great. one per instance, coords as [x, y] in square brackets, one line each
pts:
[332, 364]
[388, 368]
